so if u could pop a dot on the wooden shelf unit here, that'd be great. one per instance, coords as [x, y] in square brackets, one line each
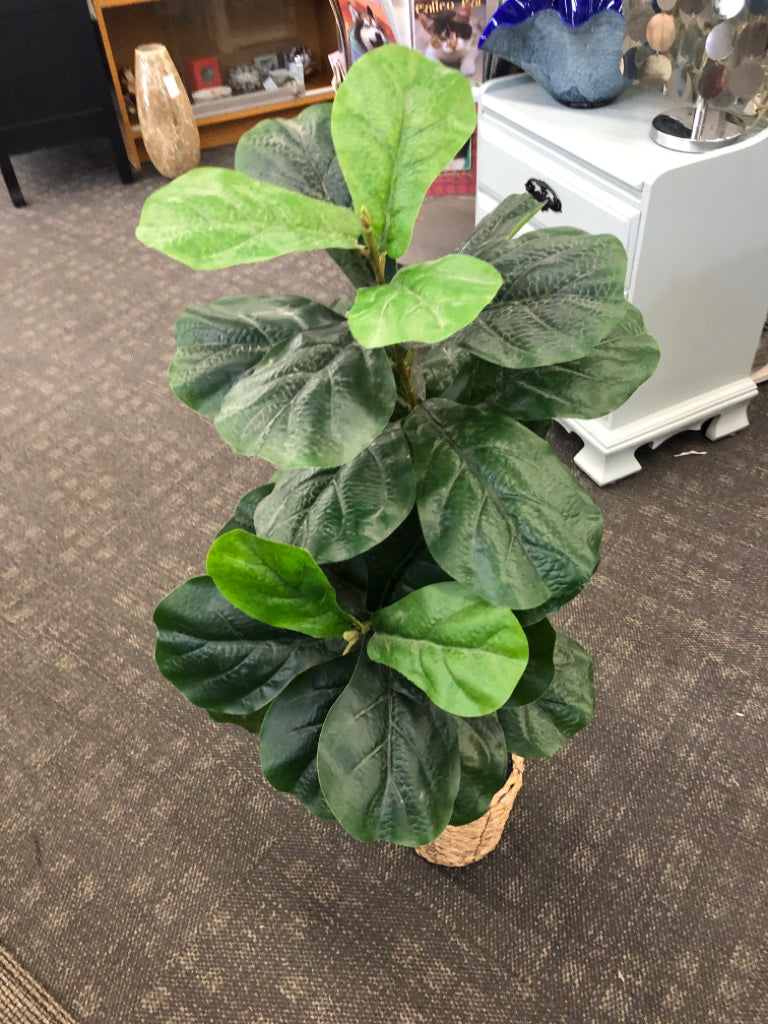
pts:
[221, 29]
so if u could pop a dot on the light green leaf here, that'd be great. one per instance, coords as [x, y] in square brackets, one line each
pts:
[291, 731]
[591, 386]
[212, 217]
[484, 766]
[388, 759]
[499, 512]
[563, 291]
[398, 118]
[338, 513]
[465, 654]
[424, 302]
[541, 728]
[223, 660]
[220, 343]
[276, 583]
[316, 401]
[502, 222]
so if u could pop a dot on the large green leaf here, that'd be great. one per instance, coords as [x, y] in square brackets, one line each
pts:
[275, 583]
[591, 386]
[398, 118]
[212, 217]
[563, 291]
[222, 342]
[223, 660]
[484, 766]
[541, 728]
[338, 513]
[315, 401]
[388, 759]
[424, 302]
[291, 730]
[296, 153]
[502, 222]
[465, 654]
[499, 511]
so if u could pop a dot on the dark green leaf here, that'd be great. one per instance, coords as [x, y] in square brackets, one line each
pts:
[499, 512]
[502, 222]
[465, 654]
[296, 153]
[221, 659]
[316, 401]
[447, 369]
[540, 669]
[484, 766]
[592, 386]
[424, 302]
[337, 513]
[291, 730]
[563, 291]
[276, 583]
[541, 728]
[388, 759]
[220, 343]
[397, 120]
[243, 517]
[212, 217]
[250, 722]
[392, 569]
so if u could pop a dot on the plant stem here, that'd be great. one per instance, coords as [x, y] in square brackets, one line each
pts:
[401, 363]
[375, 258]
[402, 366]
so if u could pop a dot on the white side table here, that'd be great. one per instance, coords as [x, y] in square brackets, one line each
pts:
[695, 227]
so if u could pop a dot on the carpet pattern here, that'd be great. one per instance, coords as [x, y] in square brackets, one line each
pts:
[148, 874]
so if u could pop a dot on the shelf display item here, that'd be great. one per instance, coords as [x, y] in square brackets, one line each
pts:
[367, 26]
[712, 55]
[450, 32]
[203, 73]
[572, 48]
[168, 126]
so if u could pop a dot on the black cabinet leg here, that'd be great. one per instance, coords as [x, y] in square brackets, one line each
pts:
[11, 181]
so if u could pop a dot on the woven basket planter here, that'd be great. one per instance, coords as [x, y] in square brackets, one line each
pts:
[460, 845]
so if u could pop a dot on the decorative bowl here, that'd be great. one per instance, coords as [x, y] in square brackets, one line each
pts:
[571, 48]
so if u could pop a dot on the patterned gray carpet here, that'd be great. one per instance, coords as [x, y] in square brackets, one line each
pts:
[149, 876]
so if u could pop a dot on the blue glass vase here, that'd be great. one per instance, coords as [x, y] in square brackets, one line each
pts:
[571, 47]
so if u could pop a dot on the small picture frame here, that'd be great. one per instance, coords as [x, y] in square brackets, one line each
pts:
[203, 73]
[266, 62]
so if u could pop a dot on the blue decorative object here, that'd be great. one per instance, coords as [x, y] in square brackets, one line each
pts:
[571, 47]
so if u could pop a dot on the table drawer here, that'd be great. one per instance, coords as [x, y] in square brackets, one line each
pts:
[505, 162]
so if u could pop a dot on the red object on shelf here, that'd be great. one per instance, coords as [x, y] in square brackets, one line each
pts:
[203, 73]
[459, 182]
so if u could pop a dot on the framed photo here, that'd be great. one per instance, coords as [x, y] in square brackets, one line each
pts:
[266, 62]
[203, 73]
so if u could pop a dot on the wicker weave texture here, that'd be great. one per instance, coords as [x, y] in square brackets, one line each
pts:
[460, 845]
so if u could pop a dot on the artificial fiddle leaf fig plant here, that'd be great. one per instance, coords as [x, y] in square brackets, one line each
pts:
[377, 612]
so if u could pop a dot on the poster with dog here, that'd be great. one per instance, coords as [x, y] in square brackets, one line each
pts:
[449, 31]
[368, 25]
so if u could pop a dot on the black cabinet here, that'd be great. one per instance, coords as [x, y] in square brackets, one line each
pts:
[53, 83]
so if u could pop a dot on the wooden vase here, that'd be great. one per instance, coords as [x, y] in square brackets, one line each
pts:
[460, 845]
[168, 127]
